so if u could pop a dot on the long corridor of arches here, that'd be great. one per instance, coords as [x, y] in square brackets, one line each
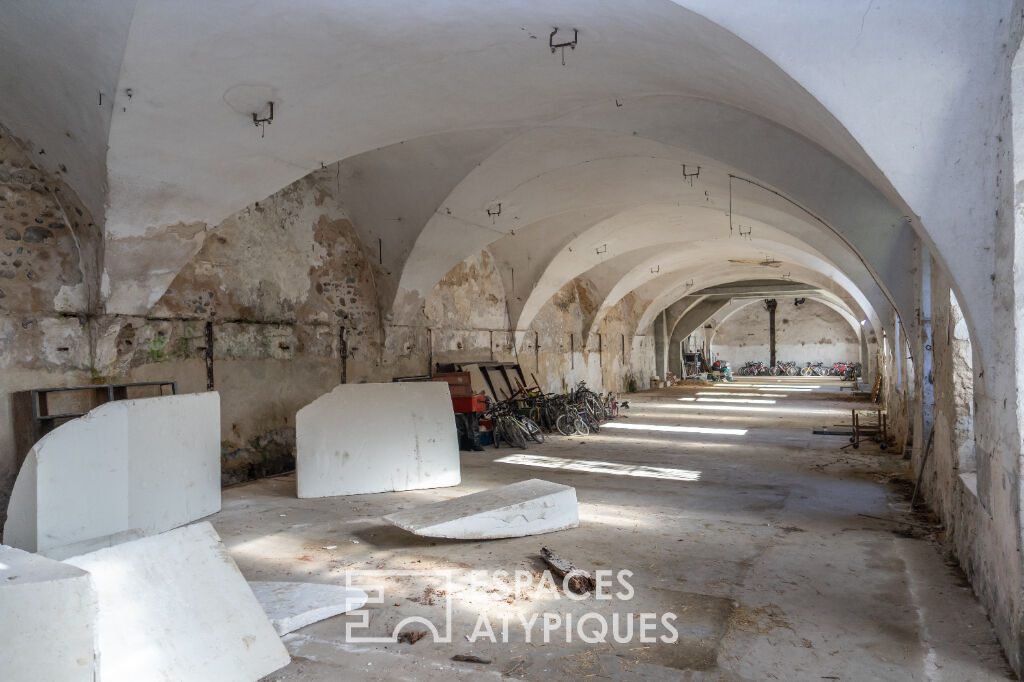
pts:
[269, 200]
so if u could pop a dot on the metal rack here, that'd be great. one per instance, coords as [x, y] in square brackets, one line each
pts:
[43, 421]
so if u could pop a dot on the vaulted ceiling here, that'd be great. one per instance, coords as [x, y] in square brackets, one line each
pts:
[671, 149]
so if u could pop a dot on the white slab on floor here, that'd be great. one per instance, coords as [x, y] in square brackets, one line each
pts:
[373, 438]
[525, 508]
[292, 605]
[47, 618]
[175, 607]
[125, 469]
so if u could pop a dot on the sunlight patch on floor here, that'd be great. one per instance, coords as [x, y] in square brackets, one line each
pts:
[598, 467]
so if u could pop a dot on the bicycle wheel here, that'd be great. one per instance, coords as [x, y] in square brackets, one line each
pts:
[532, 430]
[581, 426]
[550, 416]
[595, 407]
[516, 434]
[497, 433]
[564, 424]
[536, 414]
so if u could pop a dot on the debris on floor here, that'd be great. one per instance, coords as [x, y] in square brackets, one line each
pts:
[411, 636]
[578, 580]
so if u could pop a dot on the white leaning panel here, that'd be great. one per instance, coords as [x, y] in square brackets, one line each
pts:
[174, 607]
[372, 438]
[526, 508]
[291, 606]
[125, 469]
[47, 618]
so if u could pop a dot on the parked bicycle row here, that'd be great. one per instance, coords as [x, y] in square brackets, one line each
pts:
[847, 370]
[530, 413]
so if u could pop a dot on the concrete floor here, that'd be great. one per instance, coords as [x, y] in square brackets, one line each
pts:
[761, 540]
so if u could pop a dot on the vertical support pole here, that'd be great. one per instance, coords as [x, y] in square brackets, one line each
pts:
[572, 351]
[343, 355]
[209, 355]
[430, 352]
[771, 304]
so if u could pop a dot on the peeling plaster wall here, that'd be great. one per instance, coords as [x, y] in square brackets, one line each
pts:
[465, 315]
[607, 358]
[48, 269]
[812, 332]
[276, 283]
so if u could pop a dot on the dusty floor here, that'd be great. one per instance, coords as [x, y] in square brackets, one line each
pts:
[780, 556]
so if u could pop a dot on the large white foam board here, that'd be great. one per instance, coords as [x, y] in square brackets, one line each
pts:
[525, 508]
[372, 438]
[127, 468]
[291, 605]
[47, 616]
[175, 607]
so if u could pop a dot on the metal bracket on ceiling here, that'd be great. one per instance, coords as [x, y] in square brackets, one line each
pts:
[689, 175]
[570, 44]
[655, 271]
[265, 121]
[601, 249]
[748, 232]
[494, 212]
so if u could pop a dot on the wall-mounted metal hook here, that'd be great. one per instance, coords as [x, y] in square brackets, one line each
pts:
[570, 44]
[655, 271]
[601, 249]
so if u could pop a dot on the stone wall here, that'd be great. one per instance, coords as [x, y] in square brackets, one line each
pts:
[48, 286]
[962, 479]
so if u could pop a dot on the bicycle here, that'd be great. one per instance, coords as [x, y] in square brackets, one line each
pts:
[511, 428]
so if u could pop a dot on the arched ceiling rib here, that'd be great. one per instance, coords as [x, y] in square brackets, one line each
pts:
[550, 204]
[723, 315]
[675, 286]
[736, 305]
[688, 264]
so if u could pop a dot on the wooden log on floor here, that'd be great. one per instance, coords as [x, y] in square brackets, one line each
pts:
[579, 581]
